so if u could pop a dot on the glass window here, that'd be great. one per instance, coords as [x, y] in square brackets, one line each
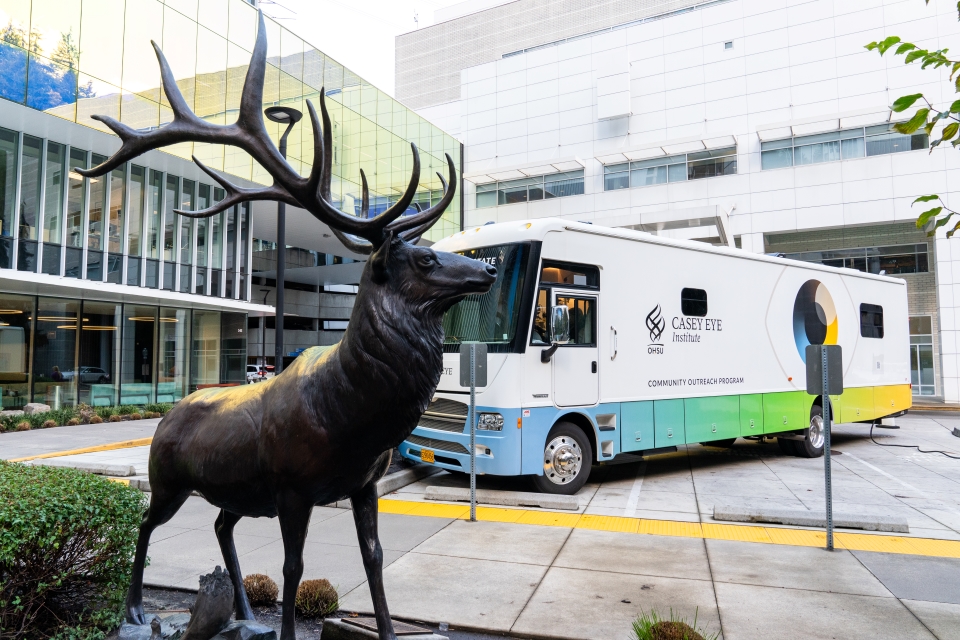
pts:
[616, 176]
[75, 189]
[646, 176]
[776, 154]
[233, 344]
[575, 275]
[172, 374]
[899, 259]
[53, 207]
[187, 203]
[871, 320]
[560, 185]
[153, 214]
[851, 144]
[137, 380]
[30, 188]
[117, 193]
[203, 202]
[883, 139]
[98, 196]
[708, 164]
[493, 316]
[99, 354]
[513, 191]
[693, 302]
[138, 191]
[205, 351]
[54, 352]
[13, 58]
[16, 327]
[8, 183]
[172, 198]
[816, 153]
[541, 332]
[583, 320]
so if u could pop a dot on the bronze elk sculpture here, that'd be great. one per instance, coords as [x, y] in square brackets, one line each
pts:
[322, 430]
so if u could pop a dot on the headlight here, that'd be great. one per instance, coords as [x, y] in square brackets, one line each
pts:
[490, 422]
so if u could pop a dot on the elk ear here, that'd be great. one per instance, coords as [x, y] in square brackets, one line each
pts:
[381, 258]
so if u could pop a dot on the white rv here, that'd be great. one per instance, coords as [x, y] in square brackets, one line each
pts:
[669, 342]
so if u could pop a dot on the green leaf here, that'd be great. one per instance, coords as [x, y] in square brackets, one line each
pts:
[903, 48]
[870, 47]
[913, 55]
[950, 130]
[955, 107]
[925, 199]
[949, 233]
[927, 215]
[914, 123]
[905, 102]
[887, 43]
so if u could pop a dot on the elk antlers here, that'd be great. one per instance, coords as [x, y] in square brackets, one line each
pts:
[359, 234]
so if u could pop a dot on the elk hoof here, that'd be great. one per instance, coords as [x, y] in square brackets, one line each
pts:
[135, 614]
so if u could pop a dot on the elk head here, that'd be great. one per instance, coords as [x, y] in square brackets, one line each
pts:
[437, 280]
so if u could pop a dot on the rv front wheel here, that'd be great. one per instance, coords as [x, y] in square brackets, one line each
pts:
[566, 460]
[812, 444]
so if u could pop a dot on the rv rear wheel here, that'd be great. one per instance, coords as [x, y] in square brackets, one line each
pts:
[813, 437]
[567, 457]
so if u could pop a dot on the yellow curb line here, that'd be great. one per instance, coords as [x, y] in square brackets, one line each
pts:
[706, 530]
[126, 444]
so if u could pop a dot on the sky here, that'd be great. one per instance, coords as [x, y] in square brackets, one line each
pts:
[359, 34]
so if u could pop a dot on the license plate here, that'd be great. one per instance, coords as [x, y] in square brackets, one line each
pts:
[426, 455]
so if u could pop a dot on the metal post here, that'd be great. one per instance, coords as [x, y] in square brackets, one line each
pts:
[473, 433]
[826, 450]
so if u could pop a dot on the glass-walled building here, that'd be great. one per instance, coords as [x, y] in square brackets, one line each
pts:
[106, 295]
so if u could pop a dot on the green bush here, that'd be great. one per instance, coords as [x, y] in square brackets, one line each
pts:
[106, 412]
[316, 598]
[159, 407]
[650, 626]
[67, 540]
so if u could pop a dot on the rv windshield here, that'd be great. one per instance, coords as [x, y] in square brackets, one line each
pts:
[491, 317]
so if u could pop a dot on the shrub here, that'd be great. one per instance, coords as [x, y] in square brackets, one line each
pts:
[105, 412]
[261, 590]
[49, 424]
[159, 407]
[24, 426]
[652, 627]
[67, 540]
[116, 418]
[137, 416]
[316, 598]
[126, 409]
[96, 420]
[72, 422]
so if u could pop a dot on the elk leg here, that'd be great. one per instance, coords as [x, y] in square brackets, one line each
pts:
[163, 506]
[226, 521]
[294, 518]
[365, 517]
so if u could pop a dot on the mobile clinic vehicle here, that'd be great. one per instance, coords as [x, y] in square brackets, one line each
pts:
[605, 341]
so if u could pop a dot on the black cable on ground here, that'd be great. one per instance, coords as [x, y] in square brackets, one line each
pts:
[907, 446]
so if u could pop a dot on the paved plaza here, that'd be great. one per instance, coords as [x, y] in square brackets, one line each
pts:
[643, 538]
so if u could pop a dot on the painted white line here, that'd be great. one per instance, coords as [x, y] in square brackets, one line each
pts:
[634, 498]
[907, 485]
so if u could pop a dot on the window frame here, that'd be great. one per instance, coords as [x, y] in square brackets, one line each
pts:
[871, 310]
[844, 139]
[542, 187]
[670, 166]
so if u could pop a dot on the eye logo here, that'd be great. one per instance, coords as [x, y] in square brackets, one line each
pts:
[656, 324]
[814, 317]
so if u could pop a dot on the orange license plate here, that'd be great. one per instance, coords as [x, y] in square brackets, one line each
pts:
[427, 455]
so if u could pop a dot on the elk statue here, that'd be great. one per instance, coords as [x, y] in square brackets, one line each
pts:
[322, 430]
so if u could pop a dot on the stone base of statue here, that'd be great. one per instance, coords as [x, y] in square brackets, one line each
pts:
[209, 620]
[366, 629]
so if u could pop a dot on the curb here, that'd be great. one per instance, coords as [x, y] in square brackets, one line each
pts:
[386, 484]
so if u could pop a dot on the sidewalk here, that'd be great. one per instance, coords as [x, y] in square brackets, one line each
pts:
[642, 538]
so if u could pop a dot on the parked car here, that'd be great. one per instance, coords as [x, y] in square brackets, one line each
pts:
[89, 375]
[257, 372]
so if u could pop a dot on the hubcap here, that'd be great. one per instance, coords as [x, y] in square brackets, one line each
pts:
[815, 432]
[562, 460]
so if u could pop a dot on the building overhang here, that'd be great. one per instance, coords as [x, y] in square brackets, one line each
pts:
[38, 284]
[515, 172]
[667, 148]
[821, 124]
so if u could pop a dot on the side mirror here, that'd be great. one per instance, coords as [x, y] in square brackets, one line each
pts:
[559, 325]
[559, 331]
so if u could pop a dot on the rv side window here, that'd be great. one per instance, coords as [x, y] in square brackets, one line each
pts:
[583, 320]
[693, 302]
[539, 333]
[871, 320]
[570, 275]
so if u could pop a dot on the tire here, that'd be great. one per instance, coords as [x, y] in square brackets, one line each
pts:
[813, 436]
[787, 446]
[102, 380]
[722, 444]
[567, 457]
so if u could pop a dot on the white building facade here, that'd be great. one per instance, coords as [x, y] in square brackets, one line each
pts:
[762, 124]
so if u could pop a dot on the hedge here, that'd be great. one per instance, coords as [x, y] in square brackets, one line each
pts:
[67, 540]
[62, 416]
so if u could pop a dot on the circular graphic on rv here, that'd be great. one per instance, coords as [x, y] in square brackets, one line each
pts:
[814, 317]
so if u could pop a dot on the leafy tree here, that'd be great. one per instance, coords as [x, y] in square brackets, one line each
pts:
[67, 53]
[927, 116]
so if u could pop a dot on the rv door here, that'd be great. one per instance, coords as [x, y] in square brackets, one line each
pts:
[576, 378]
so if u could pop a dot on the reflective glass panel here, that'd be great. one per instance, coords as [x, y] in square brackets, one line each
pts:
[75, 193]
[99, 354]
[137, 379]
[98, 196]
[187, 203]
[16, 326]
[205, 351]
[172, 374]
[152, 211]
[117, 194]
[30, 188]
[54, 352]
[8, 181]
[138, 192]
[171, 199]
